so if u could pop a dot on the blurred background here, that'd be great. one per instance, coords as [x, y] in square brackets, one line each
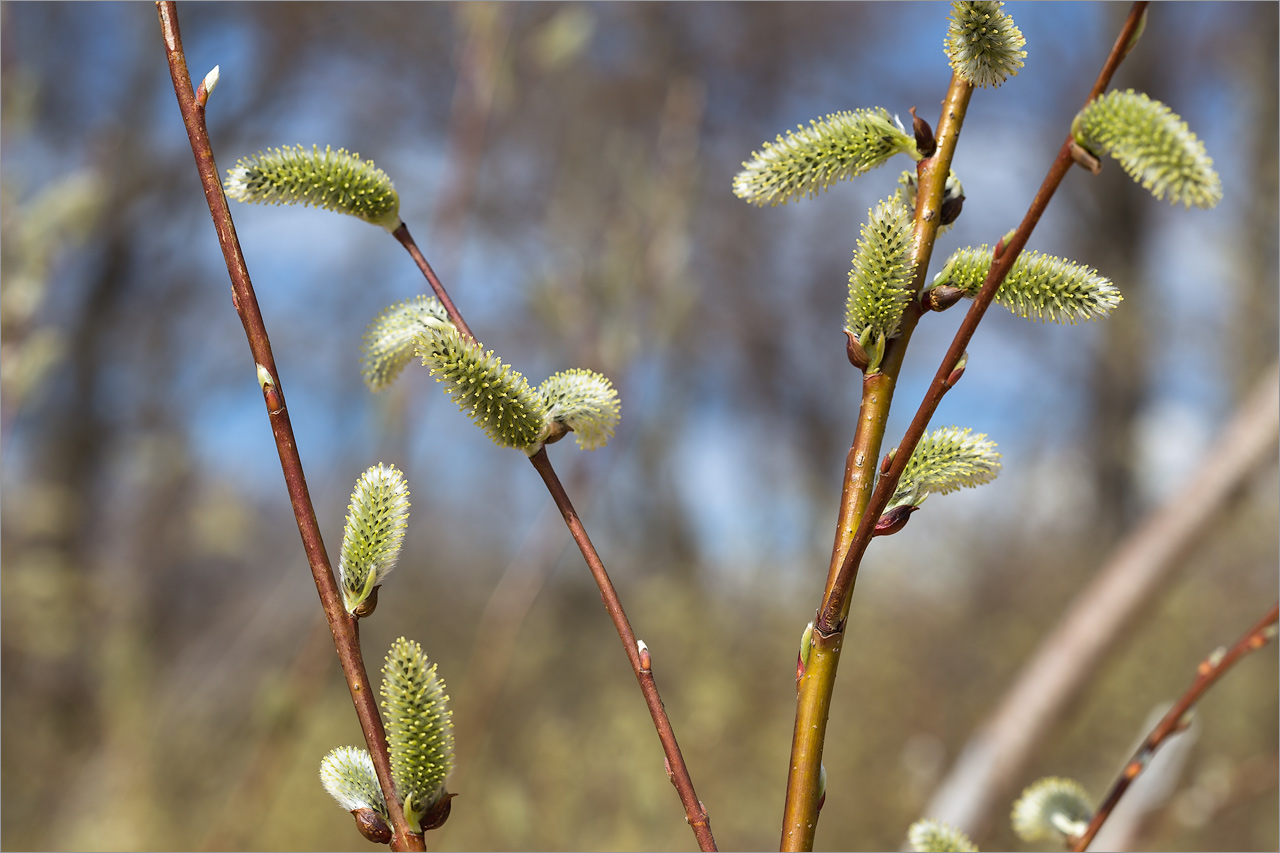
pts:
[168, 680]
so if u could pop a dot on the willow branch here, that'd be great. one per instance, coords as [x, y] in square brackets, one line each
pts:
[641, 662]
[816, 685]
[836, 605]
[695, 812]
[343, 626]
[814, 691]
[1179, 716]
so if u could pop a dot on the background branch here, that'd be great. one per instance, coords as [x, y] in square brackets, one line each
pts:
[991, 765]
[1178, 718]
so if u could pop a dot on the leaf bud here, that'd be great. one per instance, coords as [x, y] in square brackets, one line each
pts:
[822, 785]
[887, 462]
[894, 520]
[206, 87]
[1137, 34]
[925, 143]
[270, 391]
[646, 660]
[1004, 241]
[958, 370]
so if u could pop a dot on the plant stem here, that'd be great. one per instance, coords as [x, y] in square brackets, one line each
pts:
[695, 812]
[1207, 674]
[813, 699]
[455, 317]
[1140, 567]
[343, 626]
[836, 604]
[800, 814]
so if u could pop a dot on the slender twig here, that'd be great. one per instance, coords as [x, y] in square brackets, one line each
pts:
[695, 812]
[1210, 670]
[406, 240]
[341, 624]
[641, 664]
[1138, 568]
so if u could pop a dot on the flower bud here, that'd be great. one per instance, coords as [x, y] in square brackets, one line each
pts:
[370, 604]
[942, 297]
[438, 813]
[857, 355]
[372, 825]
[951, 208]
[1083, 158]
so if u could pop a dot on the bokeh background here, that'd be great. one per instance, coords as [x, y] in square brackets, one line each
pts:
[168, 682]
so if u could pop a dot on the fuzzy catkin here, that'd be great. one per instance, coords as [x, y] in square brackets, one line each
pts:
[333, 180]
[837, 147]
[1152, 144]
[495, 397]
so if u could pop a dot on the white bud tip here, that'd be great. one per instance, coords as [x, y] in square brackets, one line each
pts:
[641, 647]
[211, 81]
[264, 375]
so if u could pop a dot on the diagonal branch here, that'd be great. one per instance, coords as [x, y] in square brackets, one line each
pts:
[1179, 716]
[695, 811]
[985, 773]
[343, 626]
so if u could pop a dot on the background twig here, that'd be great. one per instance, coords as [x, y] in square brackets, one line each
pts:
[988, 769]
[1208, 673]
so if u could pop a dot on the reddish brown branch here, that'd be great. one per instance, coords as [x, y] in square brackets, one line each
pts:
[341, 625]
[1072, 652]
[694, 811]
[402, 234]
[834, 606]
[1207, 674]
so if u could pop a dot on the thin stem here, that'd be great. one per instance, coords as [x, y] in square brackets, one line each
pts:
[1207, 674]
[695, 812]
[836, 605]
[343, 626]
[813, 699]
[406, 240]
[1139, 568]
